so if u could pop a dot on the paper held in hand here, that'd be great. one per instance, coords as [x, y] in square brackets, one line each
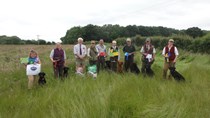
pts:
[149, 57]
[33, 69]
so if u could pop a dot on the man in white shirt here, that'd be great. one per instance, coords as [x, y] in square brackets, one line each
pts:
[101, 54]
[80, 54]
[170, 54]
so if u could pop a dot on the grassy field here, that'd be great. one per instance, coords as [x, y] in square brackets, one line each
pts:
[110, 95]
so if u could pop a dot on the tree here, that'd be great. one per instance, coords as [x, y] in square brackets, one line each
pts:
[194, 32]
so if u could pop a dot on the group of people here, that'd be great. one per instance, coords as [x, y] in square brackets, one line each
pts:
[97, 55]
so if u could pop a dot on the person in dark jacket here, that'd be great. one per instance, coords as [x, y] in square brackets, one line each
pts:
[129, 51]
[58, 57]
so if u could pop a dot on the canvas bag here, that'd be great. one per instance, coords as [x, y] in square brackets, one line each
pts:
[33, 69]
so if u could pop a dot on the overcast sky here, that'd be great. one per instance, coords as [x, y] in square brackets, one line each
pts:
[52, 18]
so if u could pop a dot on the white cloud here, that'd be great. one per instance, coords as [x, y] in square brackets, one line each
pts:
[52, 18]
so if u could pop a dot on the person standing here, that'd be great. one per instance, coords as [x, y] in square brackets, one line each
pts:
[129, 51]
[92, 54]
[58, 57]
[148, 54]
[33, 59]
[80, 52]
[114, 56]
[101, 54]
[170, 53]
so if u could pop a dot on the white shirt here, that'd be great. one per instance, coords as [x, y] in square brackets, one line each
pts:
[175, 51]
[101, 48]
[143, 51]
[77, 50]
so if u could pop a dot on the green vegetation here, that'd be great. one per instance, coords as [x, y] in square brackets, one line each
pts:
[110, 95]
[109, 32]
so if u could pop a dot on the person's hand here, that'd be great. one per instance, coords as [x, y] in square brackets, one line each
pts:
[145, 54]
[174, 61]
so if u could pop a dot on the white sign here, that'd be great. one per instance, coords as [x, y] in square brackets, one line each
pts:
[33, 69]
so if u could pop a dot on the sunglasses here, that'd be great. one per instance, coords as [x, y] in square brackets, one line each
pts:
[92, 43]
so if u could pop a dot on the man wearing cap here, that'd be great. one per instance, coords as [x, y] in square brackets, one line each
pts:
[148, 54]
[170, 54]
[80, 54]
[114, 56]
[101, 54]
[129, 51]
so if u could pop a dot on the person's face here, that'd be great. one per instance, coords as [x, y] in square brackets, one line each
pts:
[170, 43]
[129, 42]
[80, 41]
[147, 42]
[93, 44]
[58, 46]
[33, 55]
[101, 42]
[114, 44]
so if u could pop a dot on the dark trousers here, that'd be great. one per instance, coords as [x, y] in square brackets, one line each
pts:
[145, 64]
[58, 71]
[128, 62]
[101, 63]
[113, 64]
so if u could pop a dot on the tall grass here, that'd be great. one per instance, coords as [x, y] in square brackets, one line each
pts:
[110, 95]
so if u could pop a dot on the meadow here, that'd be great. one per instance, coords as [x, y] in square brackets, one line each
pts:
[111, 95]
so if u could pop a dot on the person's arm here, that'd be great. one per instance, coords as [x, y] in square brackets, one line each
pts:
[85, 48]
[133, 51]
[118, 54]
[88, 52]
[39, 62]
[109, 51]
[64, 57]
[163, 52]
[176, 53]
[154, 52]
[51, 56]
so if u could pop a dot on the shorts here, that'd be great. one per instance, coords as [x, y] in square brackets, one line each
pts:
[80, 62]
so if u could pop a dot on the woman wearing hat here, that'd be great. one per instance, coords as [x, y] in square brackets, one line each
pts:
[170, 54]
[114, 56]
[148, 54]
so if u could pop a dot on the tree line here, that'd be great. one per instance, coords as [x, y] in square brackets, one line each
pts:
[16, 40]
[110, 32]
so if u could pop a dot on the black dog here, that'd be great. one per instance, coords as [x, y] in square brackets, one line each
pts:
[177, 76]
[42, 80]
[149, 71]
[65, 72]
[108, 64]
[134, 68]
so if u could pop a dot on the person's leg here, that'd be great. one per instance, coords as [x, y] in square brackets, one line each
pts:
[60, 71]
[30, 81]
[126, 65]
[143, 66]
[99, 64]
[102, 63]
[130, 61]
[165, 69]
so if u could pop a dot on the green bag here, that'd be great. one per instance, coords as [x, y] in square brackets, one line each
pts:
[92, 69]
[24, 60]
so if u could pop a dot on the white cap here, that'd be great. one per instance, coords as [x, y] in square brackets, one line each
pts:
[128, 39]
[114, 42]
